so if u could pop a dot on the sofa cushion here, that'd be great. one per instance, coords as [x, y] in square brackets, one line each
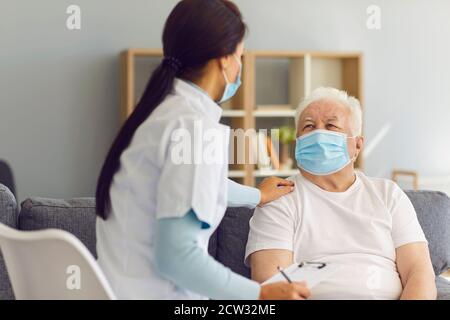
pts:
[76, 216]
[8, 216]
[433, 213]
[232, 237]
[212, 246]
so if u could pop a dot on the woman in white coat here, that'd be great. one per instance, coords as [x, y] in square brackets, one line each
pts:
[155, 212]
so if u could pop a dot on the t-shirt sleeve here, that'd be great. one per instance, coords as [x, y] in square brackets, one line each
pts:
[191, 178]
[271, 227]
[405, 225]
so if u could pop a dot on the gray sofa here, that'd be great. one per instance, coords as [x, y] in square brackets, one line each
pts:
[227, 244]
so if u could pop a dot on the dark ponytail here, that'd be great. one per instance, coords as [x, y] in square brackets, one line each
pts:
[195, 32]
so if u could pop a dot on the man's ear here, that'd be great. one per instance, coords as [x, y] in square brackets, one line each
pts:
[359, 145]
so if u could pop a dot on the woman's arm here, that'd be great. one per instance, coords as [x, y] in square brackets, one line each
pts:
[179, 258]
[242, 196]
[268, 190]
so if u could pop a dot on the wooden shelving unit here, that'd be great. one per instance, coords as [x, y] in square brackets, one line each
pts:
[293, 73]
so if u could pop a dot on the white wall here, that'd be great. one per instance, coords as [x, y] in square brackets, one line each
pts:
[59, 88]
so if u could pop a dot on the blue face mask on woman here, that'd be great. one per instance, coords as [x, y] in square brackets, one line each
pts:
[322, 152]
[231, 88]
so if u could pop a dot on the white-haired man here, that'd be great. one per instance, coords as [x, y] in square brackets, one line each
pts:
[336, 214]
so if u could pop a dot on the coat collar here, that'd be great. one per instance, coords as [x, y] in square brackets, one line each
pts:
[202, 101]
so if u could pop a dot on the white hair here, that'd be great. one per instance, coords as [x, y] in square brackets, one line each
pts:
[336, 95]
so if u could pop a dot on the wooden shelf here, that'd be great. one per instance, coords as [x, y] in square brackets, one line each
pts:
[306, 71]
[236, 173]
[274, 111]
[233, 113]
[278, 173]
[301, 54]
[263, 173]
[446, 275]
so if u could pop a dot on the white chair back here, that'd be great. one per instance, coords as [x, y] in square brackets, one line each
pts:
[51, 264]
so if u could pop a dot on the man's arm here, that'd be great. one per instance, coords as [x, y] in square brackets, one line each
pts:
[416, 271]
[264, 263]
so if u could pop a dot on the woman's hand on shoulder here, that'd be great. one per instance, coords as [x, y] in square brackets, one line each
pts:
[272, 188]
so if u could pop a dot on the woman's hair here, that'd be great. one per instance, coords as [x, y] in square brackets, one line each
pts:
[195, 32]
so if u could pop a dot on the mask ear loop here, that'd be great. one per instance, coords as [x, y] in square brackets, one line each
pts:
[240, 69]
[225, 76]
[239, 62]
[354, 157]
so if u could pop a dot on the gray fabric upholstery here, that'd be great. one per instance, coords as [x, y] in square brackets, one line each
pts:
[232, 235]
[76, 216]
[7, 177]
[227, 244]
[8, 207]
[8, 216]
[443, 288]
[212, 247]
[433, 213]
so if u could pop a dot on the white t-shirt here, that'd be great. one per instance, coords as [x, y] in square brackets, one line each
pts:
[359, 229]
[150, 185]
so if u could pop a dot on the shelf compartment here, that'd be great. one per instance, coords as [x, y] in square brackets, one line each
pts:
[236, 173]
[274, 111]
[278, 173]
[229, 113]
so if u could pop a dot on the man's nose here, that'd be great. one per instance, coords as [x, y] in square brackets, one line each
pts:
[321, 126]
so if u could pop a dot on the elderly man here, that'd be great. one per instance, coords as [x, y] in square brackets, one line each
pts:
[338, 215]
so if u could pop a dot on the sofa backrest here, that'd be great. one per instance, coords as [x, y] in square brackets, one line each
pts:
[227, 244]
[232, 235]
[8, 216]
[8, 207]
[433, 213]
[76, 216]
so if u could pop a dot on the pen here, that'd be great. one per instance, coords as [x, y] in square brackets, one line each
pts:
[284, 274]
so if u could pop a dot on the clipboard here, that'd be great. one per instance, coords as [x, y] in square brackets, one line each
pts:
[311, 272]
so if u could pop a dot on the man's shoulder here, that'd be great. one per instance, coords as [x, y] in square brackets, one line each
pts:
[287, 201]
[376, 181]
[386, 188]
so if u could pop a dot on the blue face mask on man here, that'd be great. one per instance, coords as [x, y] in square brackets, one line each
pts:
[322, 152]
[231, 87]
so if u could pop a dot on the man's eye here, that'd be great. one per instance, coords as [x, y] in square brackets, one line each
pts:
[331, 125]
[308, 126]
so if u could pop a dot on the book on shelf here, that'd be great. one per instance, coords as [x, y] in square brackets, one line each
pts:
[264, 152]
[273, 154]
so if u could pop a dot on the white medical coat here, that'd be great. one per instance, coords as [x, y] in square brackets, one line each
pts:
[152, 184]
